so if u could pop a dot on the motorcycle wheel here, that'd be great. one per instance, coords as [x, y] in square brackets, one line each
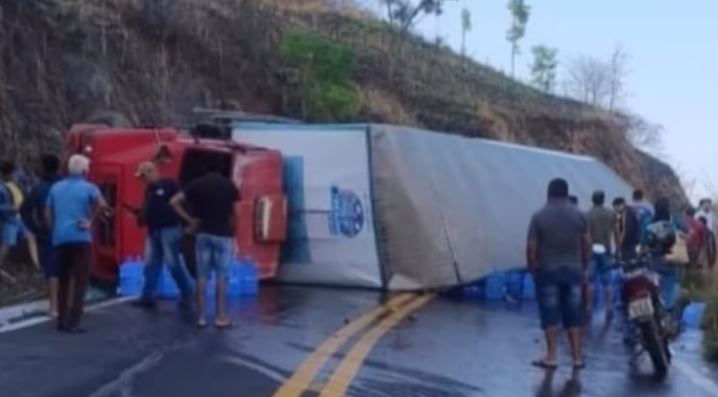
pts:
[655, 346]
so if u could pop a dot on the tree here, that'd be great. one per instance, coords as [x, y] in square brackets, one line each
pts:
[597, 82]
[588, 80]
[543, 69]
[618, 65]
[520, 12]
[644, 134]
[404, 14]
[466, 27]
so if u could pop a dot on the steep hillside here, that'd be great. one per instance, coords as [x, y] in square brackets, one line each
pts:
[155, 60]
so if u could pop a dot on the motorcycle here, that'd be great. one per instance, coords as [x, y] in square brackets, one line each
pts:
[651, 326]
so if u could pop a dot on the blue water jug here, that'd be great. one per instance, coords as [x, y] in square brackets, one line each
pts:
[249, 279]
[693, 315]
[529, 291]
[475, 290]
[131, 277]
[496, 286]
[515, 284]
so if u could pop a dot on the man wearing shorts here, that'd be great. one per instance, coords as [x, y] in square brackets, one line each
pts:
[211, 199]
[558, 254]
[600, 225]
[33, 214]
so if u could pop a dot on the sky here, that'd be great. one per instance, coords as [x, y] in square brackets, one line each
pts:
[673, 61]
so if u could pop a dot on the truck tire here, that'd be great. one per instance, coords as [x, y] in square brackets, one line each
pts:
[656, 348]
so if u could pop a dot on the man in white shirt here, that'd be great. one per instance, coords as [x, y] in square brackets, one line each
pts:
[705, 212]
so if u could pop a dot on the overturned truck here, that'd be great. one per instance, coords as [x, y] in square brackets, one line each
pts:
[398, 208]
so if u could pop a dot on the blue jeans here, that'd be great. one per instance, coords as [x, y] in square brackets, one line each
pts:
[601, 272]
[559, 297]
[12, 230]
[163, 247]
[214, 254]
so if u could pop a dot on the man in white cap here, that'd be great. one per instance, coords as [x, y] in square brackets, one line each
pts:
[163, 236]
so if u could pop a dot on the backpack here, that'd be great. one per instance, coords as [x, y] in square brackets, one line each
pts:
[661, 237]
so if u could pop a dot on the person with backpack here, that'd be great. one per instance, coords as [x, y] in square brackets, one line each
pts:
[661, 236]
[33, 215]
[15, 229]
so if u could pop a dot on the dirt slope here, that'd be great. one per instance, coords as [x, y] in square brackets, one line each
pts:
[154, 60]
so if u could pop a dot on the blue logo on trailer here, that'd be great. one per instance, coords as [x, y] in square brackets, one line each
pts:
[347, 213]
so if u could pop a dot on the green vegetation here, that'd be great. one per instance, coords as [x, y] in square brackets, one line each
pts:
[699, 287]
[543, 69]
[710, 327]
[520, 13]
[324, 76]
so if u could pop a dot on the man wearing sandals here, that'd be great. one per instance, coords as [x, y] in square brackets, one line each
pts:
[211, 199]
[558, 255]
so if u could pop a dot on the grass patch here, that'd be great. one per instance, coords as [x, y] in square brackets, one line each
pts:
[324, 76]
[699, 286]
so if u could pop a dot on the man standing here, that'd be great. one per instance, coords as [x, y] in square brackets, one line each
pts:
[600, 226]
[627, 230]
[15, 228]
[705, 212]
[33, 210]
[72, 205]
[163, 236]
[212, 199]
[558, 254]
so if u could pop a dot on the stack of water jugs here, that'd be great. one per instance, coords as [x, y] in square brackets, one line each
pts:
[243, 280]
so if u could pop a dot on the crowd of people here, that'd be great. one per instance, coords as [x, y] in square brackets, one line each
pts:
[56, 216]
[569, 251]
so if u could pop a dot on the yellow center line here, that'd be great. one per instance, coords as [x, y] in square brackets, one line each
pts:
[305, 373]
[342, 378]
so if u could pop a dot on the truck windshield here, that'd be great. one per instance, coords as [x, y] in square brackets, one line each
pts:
[198, 162]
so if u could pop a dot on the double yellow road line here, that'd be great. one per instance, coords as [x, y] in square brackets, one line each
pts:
[387, 315]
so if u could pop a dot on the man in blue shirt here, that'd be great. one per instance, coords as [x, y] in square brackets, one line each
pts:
[32, 211]
[72, 205]
[163, 236]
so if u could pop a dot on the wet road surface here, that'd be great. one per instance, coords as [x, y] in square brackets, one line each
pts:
[286, 344]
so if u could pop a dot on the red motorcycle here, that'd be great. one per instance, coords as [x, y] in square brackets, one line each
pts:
[650, 325]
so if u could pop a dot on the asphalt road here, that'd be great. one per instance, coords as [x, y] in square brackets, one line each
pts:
[300, 342]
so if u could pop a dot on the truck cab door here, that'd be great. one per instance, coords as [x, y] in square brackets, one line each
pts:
[108, 239]
[262, 226]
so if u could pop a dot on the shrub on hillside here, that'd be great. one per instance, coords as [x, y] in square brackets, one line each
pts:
[324, 70]
[710, 327]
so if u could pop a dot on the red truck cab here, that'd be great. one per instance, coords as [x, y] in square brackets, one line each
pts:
[115, 154]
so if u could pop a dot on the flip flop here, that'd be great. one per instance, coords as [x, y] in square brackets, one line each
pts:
[223, 325]
[579, 365]
[544, 364]
[202, 323]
